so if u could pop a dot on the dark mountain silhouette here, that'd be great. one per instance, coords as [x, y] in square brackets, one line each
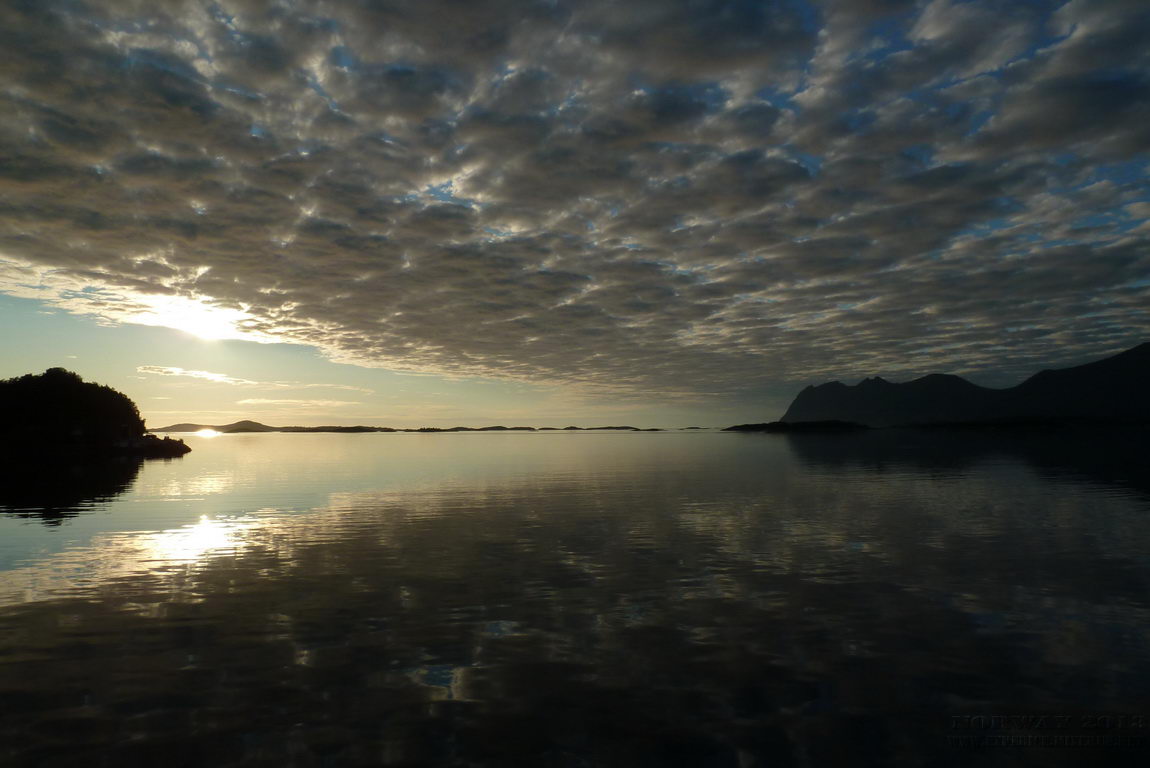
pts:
[1108, 391]
[58, 413]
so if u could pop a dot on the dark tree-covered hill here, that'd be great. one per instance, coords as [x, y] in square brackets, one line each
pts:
[58, 412]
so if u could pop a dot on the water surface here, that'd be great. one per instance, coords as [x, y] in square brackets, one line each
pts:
[678, 599]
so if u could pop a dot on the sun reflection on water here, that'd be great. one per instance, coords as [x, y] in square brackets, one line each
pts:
[169, 488]
[114, 556]
[195, 541]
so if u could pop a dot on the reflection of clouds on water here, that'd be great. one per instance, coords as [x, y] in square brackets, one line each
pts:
[1108, 458]
[442, 681]
[706, 602]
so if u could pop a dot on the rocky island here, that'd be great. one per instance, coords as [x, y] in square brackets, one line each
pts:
[58, 414]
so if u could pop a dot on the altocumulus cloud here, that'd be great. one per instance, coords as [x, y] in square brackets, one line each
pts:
[657, 195]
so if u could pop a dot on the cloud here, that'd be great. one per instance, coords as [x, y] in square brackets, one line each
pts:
[296, 403]
[218, 378]
[223, 378]
[643, 199]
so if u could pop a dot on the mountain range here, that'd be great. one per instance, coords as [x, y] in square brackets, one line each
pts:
[1114, 390]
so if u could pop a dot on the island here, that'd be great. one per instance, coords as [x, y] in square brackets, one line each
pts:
[1107, 392]
[58, 414]
[799, 427]
[254, 426]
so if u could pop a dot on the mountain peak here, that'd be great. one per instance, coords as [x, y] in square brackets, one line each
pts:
[246, 425]
[1110, 390]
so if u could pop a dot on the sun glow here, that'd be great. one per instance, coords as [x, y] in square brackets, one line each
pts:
[195, 317]
[208, 433]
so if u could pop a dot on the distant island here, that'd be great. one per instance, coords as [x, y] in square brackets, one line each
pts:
[57, 413]
[1107, 392]
[254, 426]
[799, 426]
[1111, 391]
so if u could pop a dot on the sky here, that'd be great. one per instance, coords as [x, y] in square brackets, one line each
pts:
[658, 213]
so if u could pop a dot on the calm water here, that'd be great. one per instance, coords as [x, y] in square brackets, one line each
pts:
[657, 599]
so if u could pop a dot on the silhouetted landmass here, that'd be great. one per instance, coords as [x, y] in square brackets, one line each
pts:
[798, 426]
[57, 413]
[255, 426]
[247, 426]
[235, 426]
[354, 429]
[1111, 391]
[591, 429]
[470, 429]
[182, 428]
[241, 426]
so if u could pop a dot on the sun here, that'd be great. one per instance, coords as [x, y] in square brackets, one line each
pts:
[192, 316]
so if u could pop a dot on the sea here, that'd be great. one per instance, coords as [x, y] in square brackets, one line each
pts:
[572, 599]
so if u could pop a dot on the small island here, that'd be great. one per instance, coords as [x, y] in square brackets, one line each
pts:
[247, 425]
[832, 426]
[58, 414]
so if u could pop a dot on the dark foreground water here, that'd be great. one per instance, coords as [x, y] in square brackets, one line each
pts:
[658, 599]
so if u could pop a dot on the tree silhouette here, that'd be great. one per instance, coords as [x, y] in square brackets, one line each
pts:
[59, 407]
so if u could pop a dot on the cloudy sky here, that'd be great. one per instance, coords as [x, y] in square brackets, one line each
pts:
[659, 212]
